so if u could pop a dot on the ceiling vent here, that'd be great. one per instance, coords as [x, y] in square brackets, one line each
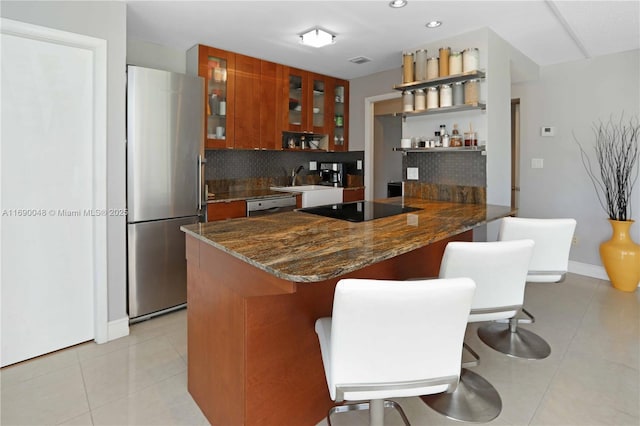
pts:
[360, 60]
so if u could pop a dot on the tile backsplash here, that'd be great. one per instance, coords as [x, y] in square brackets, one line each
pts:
[466, 168]
[241, 164]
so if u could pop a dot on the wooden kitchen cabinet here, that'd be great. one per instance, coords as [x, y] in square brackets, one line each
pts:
[217, 67]
[250, 102]
[270, 131]
[339, 111]
[247, 102]
[352, 194]
[241, 97]
[226, 210]
[255, 104]
[305, 100]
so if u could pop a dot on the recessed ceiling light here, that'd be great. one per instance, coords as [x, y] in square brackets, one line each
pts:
[433, 24]
[396, 4]
[317, 37]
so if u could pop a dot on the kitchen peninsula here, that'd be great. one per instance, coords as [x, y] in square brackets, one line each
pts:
[257, 285]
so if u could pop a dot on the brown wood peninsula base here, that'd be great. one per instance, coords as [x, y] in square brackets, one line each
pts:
[257, 285]
[254, 357]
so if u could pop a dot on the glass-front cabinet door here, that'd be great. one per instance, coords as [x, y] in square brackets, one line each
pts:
[319, 108]
[308, 102]
[218, 68]
[340, 100]
[297, 102]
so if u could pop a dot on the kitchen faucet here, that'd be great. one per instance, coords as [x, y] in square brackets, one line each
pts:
[294, 175]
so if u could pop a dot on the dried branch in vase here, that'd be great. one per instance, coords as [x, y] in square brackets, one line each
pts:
[616, 151]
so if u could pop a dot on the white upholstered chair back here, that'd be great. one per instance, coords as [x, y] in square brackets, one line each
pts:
[553, 237]
[499, 270]
[385, 334]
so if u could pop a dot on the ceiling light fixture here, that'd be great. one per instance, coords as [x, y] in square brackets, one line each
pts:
[433, 24]
[317, 37]
[397, 4]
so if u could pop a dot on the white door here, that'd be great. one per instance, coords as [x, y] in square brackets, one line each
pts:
[50, 182]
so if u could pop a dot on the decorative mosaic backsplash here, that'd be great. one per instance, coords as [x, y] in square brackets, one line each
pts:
[448, 168]
[239, 169]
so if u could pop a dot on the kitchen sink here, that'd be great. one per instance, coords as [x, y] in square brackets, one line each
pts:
[314, 195]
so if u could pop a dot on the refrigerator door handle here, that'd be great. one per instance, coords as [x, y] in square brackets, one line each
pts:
[201, 163]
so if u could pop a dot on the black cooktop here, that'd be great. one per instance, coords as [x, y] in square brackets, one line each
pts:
[359, 211]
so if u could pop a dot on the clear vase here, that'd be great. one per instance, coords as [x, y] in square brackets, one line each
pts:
[621, 257]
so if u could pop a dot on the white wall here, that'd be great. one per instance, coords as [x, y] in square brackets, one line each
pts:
[106, 20]
[364, 87]
[152, 55]
[570, 97]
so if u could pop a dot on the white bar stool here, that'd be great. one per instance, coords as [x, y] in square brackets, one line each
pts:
[499, 270]
[549, 264]
[389, 339]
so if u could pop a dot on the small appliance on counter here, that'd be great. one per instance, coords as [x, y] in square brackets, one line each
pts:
[332, 174]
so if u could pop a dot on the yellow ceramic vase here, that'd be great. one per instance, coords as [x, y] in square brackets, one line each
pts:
[621, 257]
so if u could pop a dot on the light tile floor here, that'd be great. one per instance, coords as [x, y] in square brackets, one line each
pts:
[591, 378]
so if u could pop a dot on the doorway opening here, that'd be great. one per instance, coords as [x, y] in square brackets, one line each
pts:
[515, 153]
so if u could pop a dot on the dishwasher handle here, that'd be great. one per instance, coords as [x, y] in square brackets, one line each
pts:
[270, 205]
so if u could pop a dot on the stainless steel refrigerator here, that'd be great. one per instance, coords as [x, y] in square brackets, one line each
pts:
[164, 184]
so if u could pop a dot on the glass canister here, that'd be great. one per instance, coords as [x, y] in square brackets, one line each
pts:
[471, 92]
[433, 69]
[455, 63]
[470, 59]
[421, 65]
[458, 93]
[432, 98]
[407, 101]
[446, 96]
[407, 68]
[444, 61]
[419, 100]
[456, 141]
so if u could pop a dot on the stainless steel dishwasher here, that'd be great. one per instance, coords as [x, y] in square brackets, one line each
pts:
[264, 206]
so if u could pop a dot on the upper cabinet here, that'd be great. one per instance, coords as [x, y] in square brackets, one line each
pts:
[338, 135]
[315, 103]
[270, 130]
[294, 99]
[251, 102]
[217, 67]
[305, 101]
[247, 102]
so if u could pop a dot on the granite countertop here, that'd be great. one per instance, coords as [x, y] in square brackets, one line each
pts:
[304, 247]
[245, 194]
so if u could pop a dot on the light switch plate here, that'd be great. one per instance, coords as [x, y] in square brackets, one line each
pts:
[359, 165]
[313, 165]
[412, 173]
[547, 131]
[537, 163]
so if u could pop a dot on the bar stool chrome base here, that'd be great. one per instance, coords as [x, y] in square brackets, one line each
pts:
[376, 411]
[519, 343]
[474, 400]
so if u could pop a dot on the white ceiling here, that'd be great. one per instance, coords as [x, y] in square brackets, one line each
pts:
[548, 32]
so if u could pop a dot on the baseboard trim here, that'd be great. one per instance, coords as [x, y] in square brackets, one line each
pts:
[118, 328]
[586, 269]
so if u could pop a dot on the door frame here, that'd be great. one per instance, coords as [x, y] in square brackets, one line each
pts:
[369, 124]
[98, 47]
[515, 153]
